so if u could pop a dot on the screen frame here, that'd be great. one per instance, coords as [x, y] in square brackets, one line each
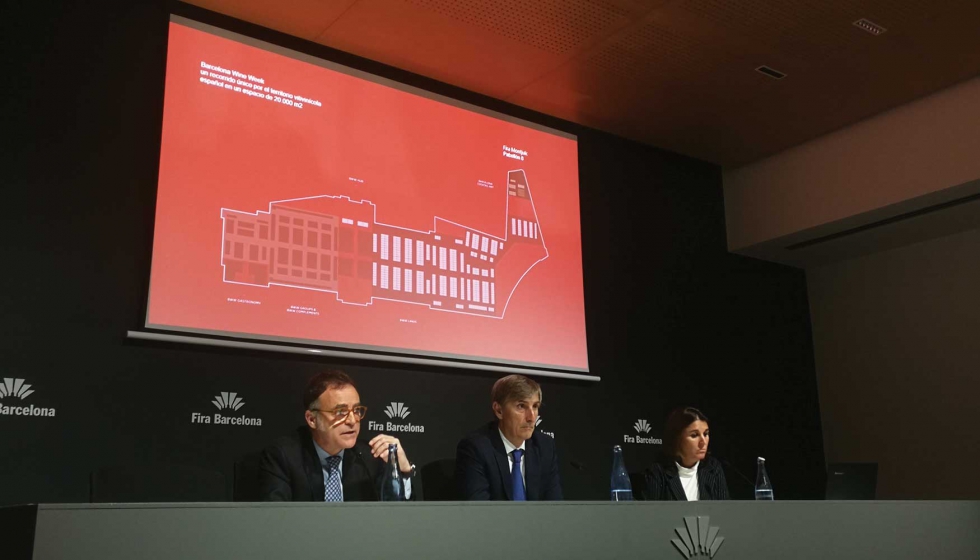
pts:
[250, 341]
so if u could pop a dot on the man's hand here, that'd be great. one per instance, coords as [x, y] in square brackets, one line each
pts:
[379, 448]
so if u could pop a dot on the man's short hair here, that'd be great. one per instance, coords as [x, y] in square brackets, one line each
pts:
[329, 379]
[514, 388]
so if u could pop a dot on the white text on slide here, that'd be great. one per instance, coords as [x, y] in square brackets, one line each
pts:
[252, 86]
[514, 153]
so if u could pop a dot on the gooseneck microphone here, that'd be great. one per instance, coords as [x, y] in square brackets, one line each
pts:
[360, 457]
[729, 464]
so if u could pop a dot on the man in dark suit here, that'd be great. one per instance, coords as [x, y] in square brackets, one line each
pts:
[323, 460]
[507, 459]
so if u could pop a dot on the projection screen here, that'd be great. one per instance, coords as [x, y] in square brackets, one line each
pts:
[305, 204]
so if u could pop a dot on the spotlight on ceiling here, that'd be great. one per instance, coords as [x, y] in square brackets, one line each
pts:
[869, 26]
[771, 72]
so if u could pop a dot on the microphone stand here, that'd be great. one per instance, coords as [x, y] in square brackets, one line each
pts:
[729, 464]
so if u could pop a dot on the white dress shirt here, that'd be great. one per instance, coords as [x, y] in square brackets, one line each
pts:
[509, 448]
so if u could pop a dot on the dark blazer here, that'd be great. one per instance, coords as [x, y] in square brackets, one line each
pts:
[290, 470]
[663, 483]
[483, 472]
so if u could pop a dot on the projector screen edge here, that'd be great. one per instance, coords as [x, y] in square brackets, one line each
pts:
[309, 351]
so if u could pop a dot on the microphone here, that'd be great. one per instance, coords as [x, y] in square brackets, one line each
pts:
[367, 469]
[577, 465]
[729, 464]
[360, 457]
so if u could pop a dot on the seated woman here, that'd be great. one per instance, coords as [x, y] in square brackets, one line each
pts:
[685, 471]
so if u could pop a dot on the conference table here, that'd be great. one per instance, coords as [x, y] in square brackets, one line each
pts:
[493, 530]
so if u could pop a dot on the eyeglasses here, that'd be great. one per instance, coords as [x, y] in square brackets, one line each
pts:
[342, 412]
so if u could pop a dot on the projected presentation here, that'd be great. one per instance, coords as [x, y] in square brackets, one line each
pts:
[306, 202]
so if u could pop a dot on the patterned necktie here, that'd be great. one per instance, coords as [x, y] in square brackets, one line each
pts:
[517, 481]
[333, 490]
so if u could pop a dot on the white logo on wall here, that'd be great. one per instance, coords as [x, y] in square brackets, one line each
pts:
[642, 427]
[228, 400]
[396, 411]
[538, 423]
[15, 388]
[225, 401]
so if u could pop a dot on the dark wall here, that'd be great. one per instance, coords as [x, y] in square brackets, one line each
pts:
[672, 317]
[896, 342]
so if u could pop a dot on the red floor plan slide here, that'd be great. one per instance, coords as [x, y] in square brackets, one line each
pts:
[311, 203]
[334, 244]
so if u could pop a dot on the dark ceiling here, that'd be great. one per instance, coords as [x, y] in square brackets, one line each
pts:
[677, 74]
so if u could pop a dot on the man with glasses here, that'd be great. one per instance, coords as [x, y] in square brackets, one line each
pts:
[323, 460]
[507, 459]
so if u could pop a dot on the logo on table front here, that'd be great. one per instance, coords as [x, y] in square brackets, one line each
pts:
[15, 388]
[696, 539]
[642, 427]
[396, 411]
[226, 401]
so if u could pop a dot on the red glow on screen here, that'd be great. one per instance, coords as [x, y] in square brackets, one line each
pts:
[301, 203]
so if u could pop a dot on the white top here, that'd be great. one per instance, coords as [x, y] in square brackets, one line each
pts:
[509, 448]
[689, 480]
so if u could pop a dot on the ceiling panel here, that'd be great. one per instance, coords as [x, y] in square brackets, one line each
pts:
[679, 74]
[429, 42]
[306, 19]
[555, 26]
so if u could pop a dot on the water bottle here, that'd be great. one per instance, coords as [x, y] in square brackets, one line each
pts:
[621, 489]
[763, 488]
[392, 488]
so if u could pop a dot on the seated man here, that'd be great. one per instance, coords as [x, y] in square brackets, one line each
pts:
[506, 459]
[324, 460]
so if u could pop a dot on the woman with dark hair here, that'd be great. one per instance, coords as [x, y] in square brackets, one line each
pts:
[684, 470]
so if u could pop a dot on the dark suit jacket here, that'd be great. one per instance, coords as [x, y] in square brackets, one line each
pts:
[663, 482]
[290, 471]
[483, 472]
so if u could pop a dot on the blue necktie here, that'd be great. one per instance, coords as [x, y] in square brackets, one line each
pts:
[333, 490]
[517, 481]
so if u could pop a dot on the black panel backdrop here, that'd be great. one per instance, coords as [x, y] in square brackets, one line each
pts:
[680, 321]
